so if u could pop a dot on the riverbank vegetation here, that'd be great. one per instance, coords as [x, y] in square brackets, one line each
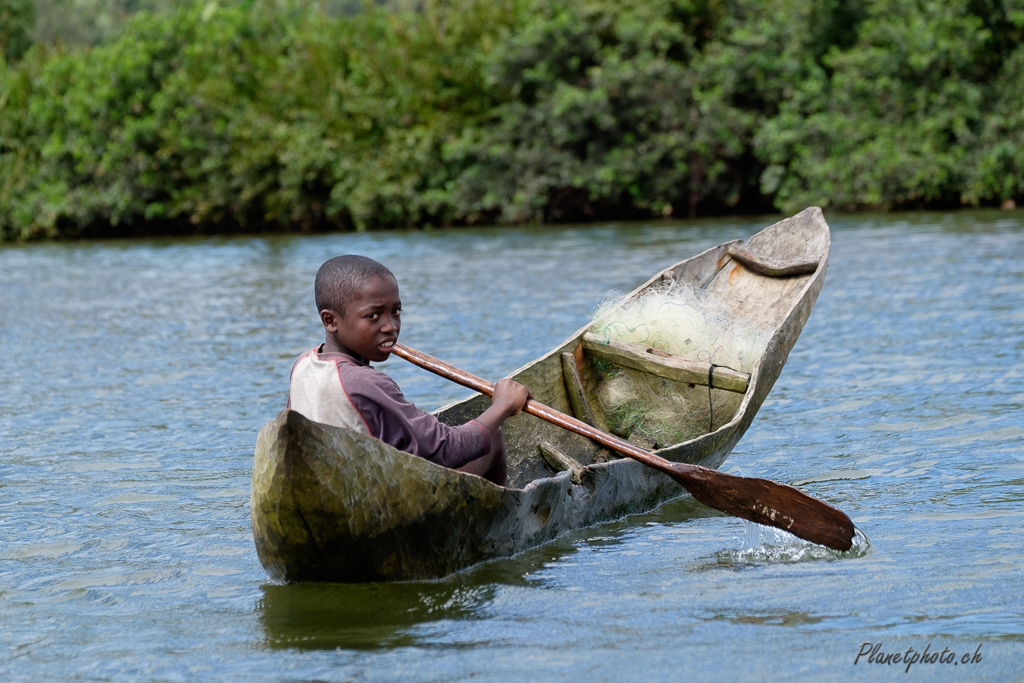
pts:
[217, 117]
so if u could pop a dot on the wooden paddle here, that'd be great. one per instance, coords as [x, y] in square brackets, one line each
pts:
[758, 500]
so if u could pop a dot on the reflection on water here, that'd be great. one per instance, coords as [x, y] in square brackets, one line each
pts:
[361, 616]
[324, 616]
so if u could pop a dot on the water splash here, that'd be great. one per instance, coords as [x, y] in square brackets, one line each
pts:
[768, 545]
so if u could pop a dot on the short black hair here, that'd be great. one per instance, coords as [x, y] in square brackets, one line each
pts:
[340, 278]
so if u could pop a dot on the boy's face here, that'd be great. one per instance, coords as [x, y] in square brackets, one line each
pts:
[370, 326]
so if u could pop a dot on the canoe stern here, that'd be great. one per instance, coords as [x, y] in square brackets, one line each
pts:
[330, 502]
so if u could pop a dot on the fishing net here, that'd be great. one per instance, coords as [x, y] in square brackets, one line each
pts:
[649, 411]
[674, 318]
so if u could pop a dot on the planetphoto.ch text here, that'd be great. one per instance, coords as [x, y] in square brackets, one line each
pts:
[872, 653]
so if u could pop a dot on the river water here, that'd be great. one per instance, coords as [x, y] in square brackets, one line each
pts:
[135, 375]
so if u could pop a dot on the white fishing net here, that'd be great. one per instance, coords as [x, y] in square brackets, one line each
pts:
[672, 317]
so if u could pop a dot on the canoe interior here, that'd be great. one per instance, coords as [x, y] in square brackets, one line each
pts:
[743, 295]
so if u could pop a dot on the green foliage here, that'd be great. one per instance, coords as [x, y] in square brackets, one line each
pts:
[603, 109]
[308, 114]
[17, 18]
[834, 25]
[995, 164]
[220, 117]
[135, 129]
[19, 152]
[906, 116]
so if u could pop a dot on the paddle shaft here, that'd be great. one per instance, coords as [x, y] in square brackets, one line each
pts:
[757, 500]
[471, 381]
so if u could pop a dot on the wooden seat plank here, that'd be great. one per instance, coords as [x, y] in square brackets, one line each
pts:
[656, 362]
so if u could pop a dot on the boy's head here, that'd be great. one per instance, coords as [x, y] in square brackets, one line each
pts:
[342, 277]
[359, 306]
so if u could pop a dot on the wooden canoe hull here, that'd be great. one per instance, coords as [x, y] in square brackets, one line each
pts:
[330, 504]
[334, 505]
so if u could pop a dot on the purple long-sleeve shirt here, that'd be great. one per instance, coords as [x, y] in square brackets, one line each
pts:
[336, 389]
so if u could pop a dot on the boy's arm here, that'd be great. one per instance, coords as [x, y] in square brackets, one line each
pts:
[509, 398]
[392, 419]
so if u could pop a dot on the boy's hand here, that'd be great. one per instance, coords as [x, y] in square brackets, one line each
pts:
[510, 396]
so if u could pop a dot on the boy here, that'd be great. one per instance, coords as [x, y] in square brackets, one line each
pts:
[333, 383]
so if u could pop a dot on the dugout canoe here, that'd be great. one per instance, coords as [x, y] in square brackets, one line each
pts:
[330, 504]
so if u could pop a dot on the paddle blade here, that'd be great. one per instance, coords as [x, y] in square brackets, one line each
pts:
[769, 503]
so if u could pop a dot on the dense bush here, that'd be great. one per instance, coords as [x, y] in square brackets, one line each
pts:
[925, 107]
[217, 117]
[17, 18]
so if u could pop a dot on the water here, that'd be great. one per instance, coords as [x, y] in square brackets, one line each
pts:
[136, 374]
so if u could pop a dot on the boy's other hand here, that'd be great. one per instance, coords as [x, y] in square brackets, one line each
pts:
[511, 396]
